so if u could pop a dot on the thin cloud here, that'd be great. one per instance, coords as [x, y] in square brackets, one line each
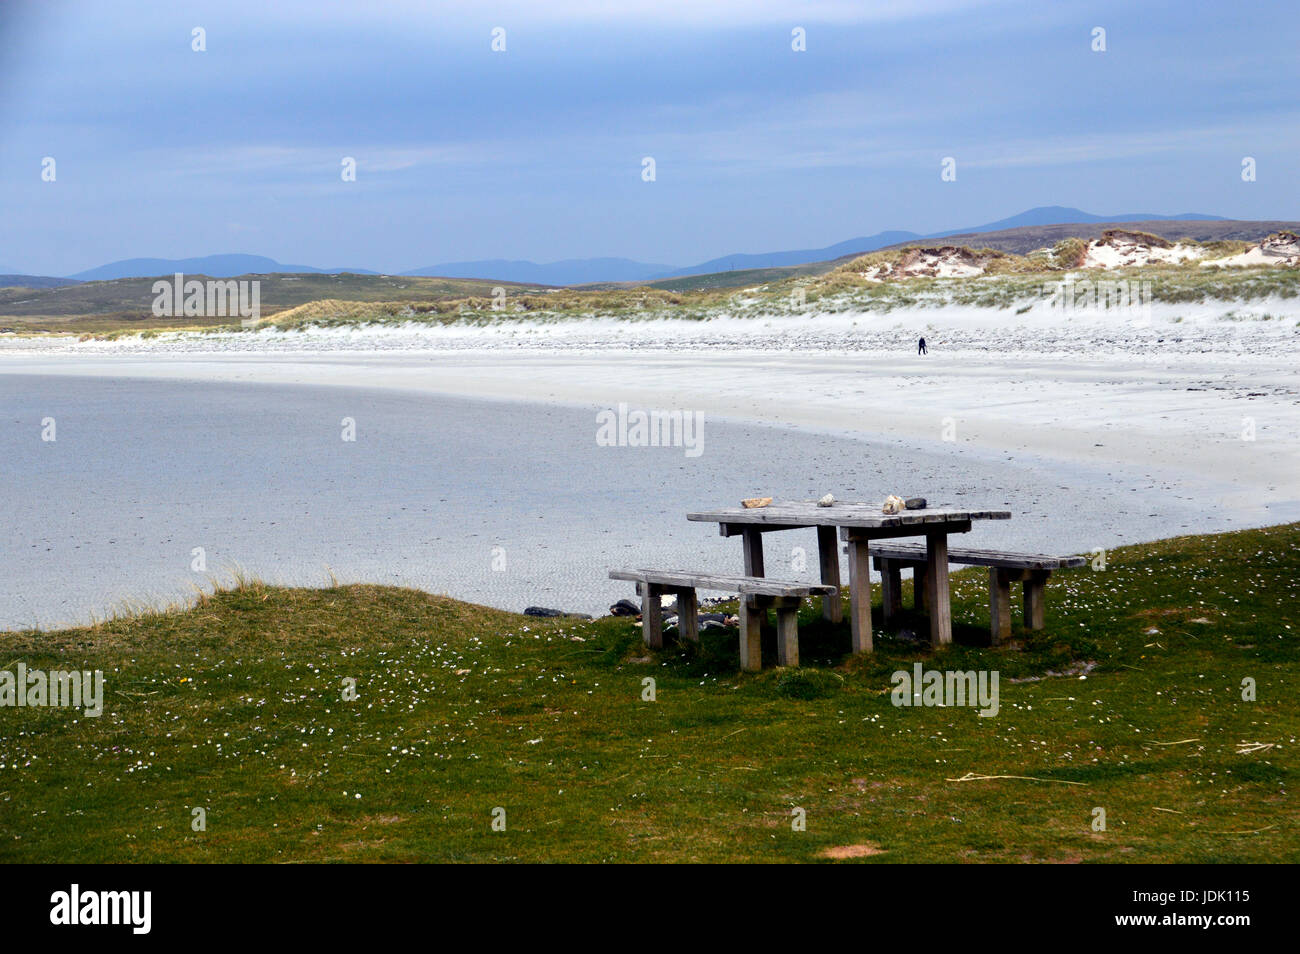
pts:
[721, 13]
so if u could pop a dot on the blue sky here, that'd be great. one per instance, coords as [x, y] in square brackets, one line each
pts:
[535, 152]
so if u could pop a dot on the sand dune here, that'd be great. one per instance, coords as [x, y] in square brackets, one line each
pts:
[1282, 248]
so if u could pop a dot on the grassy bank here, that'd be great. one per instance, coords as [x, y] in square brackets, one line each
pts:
[124, 305]
[1130, 701]
[842, 291]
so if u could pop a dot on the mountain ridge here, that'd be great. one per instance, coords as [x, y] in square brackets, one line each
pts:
[224, 265]
[579, 271]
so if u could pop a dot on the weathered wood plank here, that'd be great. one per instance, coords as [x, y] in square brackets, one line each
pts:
[982, 557]
[752, 542]
[735, 529]
[652, 616]
[828, 553]
[860, 596]
[936, 589]
[1035, 591]
[910, 530]
[787, 634]
[688, 614]
[751, 636]
[999, 606]
[809, 514]
[756, 585]
[880, 561]
[891, 586]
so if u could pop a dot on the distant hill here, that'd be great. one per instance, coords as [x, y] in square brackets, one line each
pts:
[732, 278]
[1021, 240]
[589, 271]
[1060, 214]
[34, 281]
[214, 266]
[1027, 238]
[573, 271]
[1043, 215]
[797, 257]
[593, 271]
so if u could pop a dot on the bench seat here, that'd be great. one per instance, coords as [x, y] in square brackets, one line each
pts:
[1005, 568]
[912, 552]
[757, 595]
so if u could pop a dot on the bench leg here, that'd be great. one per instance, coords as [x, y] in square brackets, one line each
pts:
[829, 555]
[891, 576]
[999, 605]
[936, 588]
[752, 541]
[860, 595]
[1035, 585]
[652, 615]
[751, 635]
[787, 632]
[918, 587]
[688, 615]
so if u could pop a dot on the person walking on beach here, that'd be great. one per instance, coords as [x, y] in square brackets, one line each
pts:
[920, 347]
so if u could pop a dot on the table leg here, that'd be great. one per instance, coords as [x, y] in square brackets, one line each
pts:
[1035, 586]
[860, 595]
[999, 605]
[688, 618]
[787, 632]
[891, 583]
[652, 616]
[751, 637]
[828, 553]
[936, 588]
[753, 543]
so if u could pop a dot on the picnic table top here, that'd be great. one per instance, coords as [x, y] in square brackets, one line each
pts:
[807, 513]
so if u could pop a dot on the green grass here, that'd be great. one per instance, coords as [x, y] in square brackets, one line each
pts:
[235, 706]
[125, 304]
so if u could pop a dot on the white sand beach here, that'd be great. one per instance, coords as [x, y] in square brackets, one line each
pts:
[477, 439]
[1186, 390]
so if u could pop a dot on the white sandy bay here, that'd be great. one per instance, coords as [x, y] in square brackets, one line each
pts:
[1152, 394]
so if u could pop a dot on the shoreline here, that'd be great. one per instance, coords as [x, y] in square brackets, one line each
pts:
[144, 471]
[1091, 447]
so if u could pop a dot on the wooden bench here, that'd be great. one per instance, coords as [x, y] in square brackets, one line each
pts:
[1031, 569]
[757, 595]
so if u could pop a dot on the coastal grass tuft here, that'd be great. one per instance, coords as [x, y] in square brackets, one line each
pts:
[1131, 700]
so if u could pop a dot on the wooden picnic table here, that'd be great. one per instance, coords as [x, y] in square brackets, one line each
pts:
[858, 524]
